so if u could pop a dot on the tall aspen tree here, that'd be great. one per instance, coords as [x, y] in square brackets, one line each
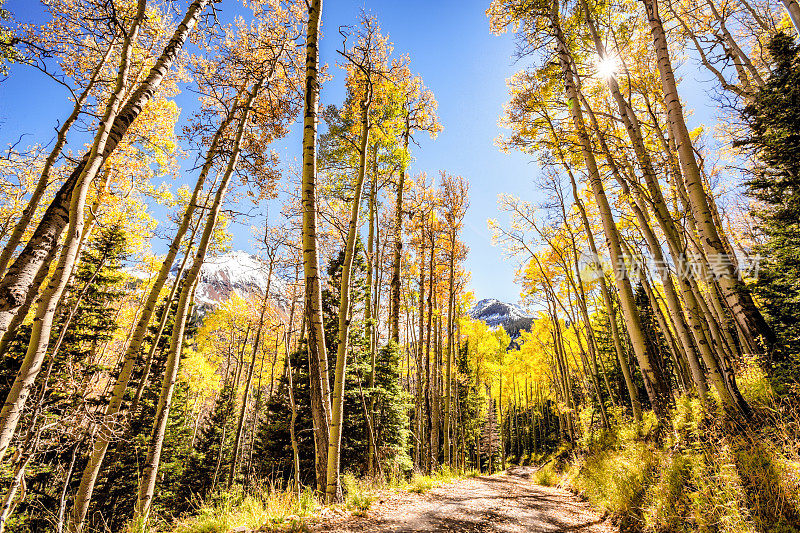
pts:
[365, 67]
[737, 296]
[40, 334]
[320, 385]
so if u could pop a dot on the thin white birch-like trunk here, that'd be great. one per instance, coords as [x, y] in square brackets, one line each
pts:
[168, 301]
[372, 263]
[652, 380]
[793, 8]
[42, 324]
[737, 296]
[243, 410]
[333, 489]
[397, 252]
[19, 279]
[61, 138]
[318, 358]
[148, 481]
[85, 490]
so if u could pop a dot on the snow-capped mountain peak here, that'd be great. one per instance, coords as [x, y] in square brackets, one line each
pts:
[235, 271]
[495, 313]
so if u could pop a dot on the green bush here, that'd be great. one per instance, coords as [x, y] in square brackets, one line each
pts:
[546, 475]
[358, 499]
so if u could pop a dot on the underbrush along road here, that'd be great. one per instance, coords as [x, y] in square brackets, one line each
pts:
[502, 503]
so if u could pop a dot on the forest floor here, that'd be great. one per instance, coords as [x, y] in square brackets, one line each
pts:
[508, 502]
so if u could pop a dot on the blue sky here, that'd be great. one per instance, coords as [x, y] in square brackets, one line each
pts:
[460, 61]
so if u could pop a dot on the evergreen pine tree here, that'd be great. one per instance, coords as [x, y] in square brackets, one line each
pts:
[471, 404]
[83, 327]
[774, 120]
[392, 404]
[601, 325]
[273, 446]
[118, 484]
[273, 451]
[355, 434]
[655, 338]
[210, 457]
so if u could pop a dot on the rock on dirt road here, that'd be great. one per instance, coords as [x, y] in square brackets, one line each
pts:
[499, 503]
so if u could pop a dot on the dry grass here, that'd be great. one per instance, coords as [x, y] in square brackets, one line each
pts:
[358, 494]
[278, 510]
[546, 475]
[706, 474]
[274, 509]
[422, 483]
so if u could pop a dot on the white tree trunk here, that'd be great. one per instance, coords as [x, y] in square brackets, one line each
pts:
[332, 489]
[318, 358]
[147, 483]
[793, 8]
[40, 333]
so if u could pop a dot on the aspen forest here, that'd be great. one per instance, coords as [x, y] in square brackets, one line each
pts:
[479, 266]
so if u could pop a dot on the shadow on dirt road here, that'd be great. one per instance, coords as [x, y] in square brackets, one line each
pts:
[500, 503]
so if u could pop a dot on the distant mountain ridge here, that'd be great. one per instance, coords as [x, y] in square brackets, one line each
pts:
[236, 272]
[495, 313]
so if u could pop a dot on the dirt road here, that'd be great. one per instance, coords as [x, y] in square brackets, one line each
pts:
[501, 503]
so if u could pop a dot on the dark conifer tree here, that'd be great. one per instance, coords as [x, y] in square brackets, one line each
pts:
[210, 458]
[273, 446]
[470, 402]
[273, 451]
[85, 324]
[774, 120]
[355, 434]
[119, 483]
[392, 404]
[655, 338]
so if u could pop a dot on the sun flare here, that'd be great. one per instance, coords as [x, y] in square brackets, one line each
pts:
[606, 66]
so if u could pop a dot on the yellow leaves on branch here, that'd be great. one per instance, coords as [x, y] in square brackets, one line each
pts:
[200, 374]
[229, 65]
[221, 339]
[149, 149]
